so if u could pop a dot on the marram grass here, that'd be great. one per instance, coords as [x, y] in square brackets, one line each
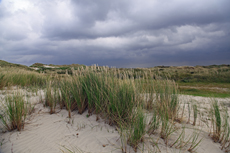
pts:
[20, 77]
[138, 129]
[121, 97]
[216, 120]
[16, 110]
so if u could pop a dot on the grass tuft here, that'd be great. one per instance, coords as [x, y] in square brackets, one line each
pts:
[15, 112]
[138, 129]
[216, 121]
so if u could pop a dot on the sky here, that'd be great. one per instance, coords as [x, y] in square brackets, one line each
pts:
[118, 33]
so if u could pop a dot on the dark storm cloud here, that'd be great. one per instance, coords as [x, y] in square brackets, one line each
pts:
[131, 33]
[91, 19]
[86, 19]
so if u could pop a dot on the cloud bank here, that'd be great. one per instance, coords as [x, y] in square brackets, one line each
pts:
[131, 33]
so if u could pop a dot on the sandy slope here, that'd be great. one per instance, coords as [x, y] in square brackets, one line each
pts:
[48, 133]
[45, 133]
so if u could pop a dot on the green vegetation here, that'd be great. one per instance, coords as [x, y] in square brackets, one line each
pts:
[218, 90]
[55, 69]
[11, 65]
[195, 112]
[137, 129]
[154, 123]
[122, 97]
[207, 81]
[79, 95]
[224, 139]
[16, 110]
[190, 74]
[220, 125]
[204, 81]
[52, 96]
[195, 141]
[20, 77]
[216, 120]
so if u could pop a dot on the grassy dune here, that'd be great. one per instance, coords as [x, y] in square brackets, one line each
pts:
[206, 81]
[122, 97]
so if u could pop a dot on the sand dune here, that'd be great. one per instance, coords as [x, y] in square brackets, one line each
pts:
[45, 133]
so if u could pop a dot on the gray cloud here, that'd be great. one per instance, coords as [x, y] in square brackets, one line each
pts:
[131, 33]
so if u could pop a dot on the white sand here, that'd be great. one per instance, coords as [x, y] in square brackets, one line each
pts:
[48, 133]
[45, 133]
